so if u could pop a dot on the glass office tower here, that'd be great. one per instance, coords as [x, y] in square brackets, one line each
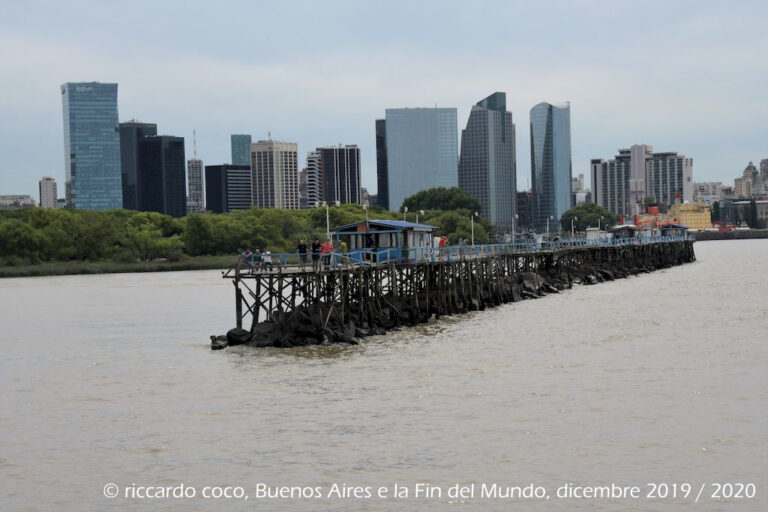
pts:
[91, 146]
[241, 149]
[421, 151]
[487, 166]
[550, 163]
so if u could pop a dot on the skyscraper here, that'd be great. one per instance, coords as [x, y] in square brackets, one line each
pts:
[487, 168]
[91, 146]
[162, 184]
[274, 169]
[314, 179]
[241, 149]
[131, 133]
[340, 173]
[621, 184]
[47, 192]
[195, 202]
[550, 163]
[421, 151]
[382, 173]
[228, 188]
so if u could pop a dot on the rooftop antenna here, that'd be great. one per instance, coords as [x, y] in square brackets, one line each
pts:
[194, 143]
[269, 135]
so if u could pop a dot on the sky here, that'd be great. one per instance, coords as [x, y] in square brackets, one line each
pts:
[685, 76]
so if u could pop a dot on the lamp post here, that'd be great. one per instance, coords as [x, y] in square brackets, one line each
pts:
[365, 207]
[573, 219]
[420, 212]
[472, 222]
[548, 219]
[327, 217]
[599, 238]
[405, 210]
[514, 229]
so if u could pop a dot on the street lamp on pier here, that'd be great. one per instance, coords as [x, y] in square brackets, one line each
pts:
[327, 217]
[472, 222]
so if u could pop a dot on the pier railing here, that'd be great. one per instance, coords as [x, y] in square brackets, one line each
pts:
[360, 257]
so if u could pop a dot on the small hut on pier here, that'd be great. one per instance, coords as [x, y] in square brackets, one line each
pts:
[674, 230]
[624, 231]
[383, 240]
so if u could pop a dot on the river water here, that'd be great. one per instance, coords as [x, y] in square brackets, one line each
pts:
[660, 379]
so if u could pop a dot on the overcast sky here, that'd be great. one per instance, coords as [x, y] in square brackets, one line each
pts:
[682, 76]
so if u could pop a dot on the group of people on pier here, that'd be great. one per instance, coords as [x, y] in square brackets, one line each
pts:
[256, 260]
[322, 256]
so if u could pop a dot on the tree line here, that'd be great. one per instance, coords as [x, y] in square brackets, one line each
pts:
[37, 235]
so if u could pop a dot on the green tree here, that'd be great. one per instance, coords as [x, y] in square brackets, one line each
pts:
[197, 235]
[587, 215]
[441, 198]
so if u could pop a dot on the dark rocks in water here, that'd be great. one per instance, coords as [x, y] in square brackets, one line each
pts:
[238, 336]
[218, 342]
[550, 288]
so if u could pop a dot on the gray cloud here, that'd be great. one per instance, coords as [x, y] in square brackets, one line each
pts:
[687, 78]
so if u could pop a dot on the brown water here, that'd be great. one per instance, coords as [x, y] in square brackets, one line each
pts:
[660, 378]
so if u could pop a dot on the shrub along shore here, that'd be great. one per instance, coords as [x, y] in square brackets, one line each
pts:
[37, 241]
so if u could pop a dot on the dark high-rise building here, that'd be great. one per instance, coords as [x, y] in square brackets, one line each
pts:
[131, 133]
[487, 168]
[524, 211]
[340, 174]
[91, 146]
[228, 188]
[314, 177]
[550, 163]
[162, 180]
[382, 175]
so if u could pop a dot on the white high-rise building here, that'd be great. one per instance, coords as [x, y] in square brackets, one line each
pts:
[707, 192]
[274, 169]
[48, 192]
[622, 184]
[195, 194]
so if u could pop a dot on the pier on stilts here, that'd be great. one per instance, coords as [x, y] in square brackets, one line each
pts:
[288, 307]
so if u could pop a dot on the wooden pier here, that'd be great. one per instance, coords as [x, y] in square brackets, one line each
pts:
[290, 307]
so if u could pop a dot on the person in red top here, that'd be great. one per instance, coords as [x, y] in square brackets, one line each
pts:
[327, 250]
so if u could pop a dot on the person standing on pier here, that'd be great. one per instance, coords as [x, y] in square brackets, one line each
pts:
[327, 250]
[316, 255]
[246, 258]
[302, 249]
[267, 260]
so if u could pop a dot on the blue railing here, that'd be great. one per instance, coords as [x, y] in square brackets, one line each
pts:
[449, 253]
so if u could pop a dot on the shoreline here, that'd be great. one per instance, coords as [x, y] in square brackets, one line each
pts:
[742, 234]
[114, 267]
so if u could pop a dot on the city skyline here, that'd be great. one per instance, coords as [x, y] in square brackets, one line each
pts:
[710, 99]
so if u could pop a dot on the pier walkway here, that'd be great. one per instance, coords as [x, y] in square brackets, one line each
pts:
[371, 291]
